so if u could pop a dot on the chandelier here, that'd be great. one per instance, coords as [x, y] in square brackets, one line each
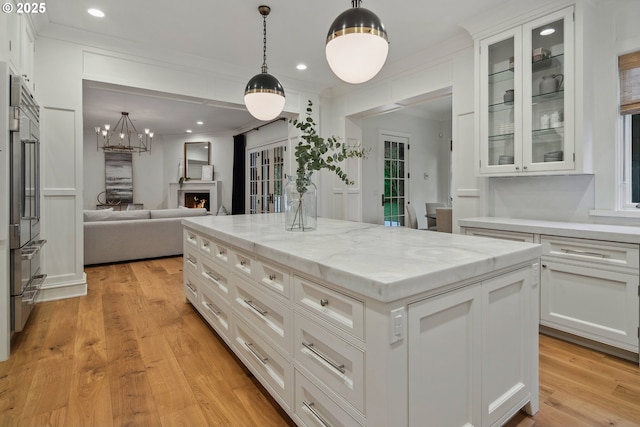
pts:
[119, 139]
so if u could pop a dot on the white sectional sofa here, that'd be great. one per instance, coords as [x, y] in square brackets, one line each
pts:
[112, 236]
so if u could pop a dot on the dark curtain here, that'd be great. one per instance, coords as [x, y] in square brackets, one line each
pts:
[238, 196]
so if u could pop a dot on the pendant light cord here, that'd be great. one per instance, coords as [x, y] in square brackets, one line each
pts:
[264, 43]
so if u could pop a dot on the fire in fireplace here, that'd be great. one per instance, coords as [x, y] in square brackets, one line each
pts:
[196, 200]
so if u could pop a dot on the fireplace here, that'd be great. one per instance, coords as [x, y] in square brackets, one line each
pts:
[197, 200]
[185, 194]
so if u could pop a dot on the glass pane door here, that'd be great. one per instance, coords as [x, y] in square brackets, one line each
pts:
[266, 178]
[547, 93]
[500, 103]
[395, 178]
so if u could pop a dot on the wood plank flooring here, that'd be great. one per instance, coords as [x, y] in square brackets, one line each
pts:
[132, 353]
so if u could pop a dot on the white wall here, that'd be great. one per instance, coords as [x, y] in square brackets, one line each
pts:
[429, 153]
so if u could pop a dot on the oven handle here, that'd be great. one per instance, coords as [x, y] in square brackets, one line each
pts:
[33, 289]
[30, 251]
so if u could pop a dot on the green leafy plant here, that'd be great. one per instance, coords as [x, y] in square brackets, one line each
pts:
[314, 152]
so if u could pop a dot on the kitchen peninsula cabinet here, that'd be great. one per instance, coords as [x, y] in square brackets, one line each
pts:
[526, 98]
[589, 279]
[342, 333]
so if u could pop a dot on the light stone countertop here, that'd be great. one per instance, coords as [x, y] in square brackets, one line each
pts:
[383, 263]
[614, 233]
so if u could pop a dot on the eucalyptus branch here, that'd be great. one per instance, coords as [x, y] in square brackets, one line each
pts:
[314, 152]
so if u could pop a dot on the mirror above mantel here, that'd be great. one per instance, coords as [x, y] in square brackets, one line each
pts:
[196, 156]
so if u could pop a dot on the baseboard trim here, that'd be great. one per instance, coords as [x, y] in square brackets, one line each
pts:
[594, 345]
[64, 290]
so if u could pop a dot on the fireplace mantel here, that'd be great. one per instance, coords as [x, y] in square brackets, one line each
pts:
[176, 193]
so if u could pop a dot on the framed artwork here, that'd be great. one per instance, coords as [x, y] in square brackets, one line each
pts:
[118, 170]
[207, 172]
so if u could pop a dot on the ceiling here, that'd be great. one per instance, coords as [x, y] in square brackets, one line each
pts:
[230, 33]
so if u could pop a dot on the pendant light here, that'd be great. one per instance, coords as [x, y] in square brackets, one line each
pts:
[357, 44]
[264, 95]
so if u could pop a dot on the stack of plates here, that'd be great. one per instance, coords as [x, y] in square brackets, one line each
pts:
[553, 156]
[505, 160]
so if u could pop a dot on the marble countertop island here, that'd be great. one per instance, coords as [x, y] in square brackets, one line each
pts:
[382, 263]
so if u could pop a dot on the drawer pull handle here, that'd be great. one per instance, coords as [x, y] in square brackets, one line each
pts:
[255, 353]
[205, 245]
[257, 309]
[222, 252]
[312, 349]
[190, 286]
[192, 261]
[272, 277]
[243, 262]
[212, 309]
[213, 276]
[585, 253]
[315, 413]
[324, 302]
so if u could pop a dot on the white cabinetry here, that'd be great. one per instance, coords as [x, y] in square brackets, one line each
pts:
[459, 332]
[22, 46]
[328, 356]
[590, 289]
[498, 234]
[526, 98]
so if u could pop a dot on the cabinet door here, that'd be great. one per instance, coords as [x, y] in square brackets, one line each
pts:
[444, 359]
[593, 303]
[548, 93]
[509, 343]
[501, 103]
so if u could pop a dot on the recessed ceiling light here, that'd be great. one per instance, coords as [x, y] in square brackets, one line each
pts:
[547, 31]
[199, 123]
[301, 66]
[96, 12]
[188, 131]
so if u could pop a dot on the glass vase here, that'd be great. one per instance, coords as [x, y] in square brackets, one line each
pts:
[300, 205]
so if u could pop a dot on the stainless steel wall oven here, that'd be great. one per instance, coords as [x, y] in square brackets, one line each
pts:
[24, 216]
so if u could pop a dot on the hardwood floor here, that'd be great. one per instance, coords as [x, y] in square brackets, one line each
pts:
[133, 353]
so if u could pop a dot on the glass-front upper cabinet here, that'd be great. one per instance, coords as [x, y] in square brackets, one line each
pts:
[526, 98]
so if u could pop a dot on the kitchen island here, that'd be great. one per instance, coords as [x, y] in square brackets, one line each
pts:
[358, 324]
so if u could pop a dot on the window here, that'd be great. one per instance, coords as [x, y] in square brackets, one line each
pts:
[629, 68]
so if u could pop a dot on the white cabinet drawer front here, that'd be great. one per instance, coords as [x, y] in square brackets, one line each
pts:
[190, 238]
[216, 310]
[592, 251]
[499, 234]
[334, 361]
[191, 259]
[265, 313]
[206, 246]
[191, 287]
[588, 302]
[273, 277]
[217, 278]
[241, 262]
[219, 252]
[338, 309]
[316, 409]
[272, 369]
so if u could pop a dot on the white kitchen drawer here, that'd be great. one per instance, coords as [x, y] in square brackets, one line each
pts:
[190, 286]
[332, 360]
[190, 238]
[217, 312]
[219, 252]
[340, 310]
[515, 236]
[216, 277]
[596, 252]
[190, 259]
[206, 246]
[241, 262]
[316, 409]
[272, 369]
[600, 305]
[273, 277]
[265, 313]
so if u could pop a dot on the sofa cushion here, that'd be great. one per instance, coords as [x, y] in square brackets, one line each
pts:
[120, 215]
[97, 215]
[177, 213]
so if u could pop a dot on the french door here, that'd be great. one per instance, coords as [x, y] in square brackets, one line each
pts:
[395, 181]
[266, 178]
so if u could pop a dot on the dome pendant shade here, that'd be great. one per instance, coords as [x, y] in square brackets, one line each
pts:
[357, 45]
[264, 97]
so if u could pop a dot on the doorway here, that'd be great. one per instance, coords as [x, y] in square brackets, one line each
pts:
[395, 179]
[266, 178]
